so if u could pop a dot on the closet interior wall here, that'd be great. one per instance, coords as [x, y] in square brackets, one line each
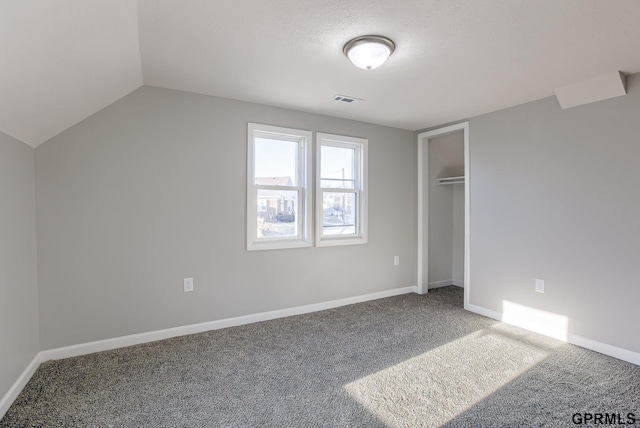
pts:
[446, 211]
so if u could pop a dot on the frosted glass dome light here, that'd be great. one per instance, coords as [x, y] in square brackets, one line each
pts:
[369, 52]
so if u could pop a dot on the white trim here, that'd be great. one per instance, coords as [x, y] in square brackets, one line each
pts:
[361, 189]
[19, 385]
[152, 336]
[421, 210]
[583, 342]
[304, 216]
[483, 311]
[467, 215]
[438, 284]
[136, 339]
[446, 282]
[606, 349]
[423, 207]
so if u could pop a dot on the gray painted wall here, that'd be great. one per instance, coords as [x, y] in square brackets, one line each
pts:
[446, 212]
[152, 189]
[554, 195]
[18, 272]
[440, 218]
[458, 234]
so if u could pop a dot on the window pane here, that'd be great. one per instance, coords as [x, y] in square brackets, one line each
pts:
[338, 213]
[277, 213]
[276, 162]
[337, 167]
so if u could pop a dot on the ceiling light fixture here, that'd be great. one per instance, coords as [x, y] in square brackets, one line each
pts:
[369, 52]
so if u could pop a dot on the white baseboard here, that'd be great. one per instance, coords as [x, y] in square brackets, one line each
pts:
[583, 342]
[152, 336]
[136, 339]
[445, 283]
[18, 385]
[438, 284]
[603, 348]
[484, 312]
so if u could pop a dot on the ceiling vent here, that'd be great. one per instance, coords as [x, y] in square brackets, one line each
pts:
[346, 99]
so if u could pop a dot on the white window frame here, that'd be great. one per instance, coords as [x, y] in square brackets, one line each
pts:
[303, 181]
[361, 187]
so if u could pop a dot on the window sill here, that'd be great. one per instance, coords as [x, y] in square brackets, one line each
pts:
[278, 245]
[334, 242]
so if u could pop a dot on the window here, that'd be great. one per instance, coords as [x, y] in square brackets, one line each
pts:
[278, 200]
[341, 190]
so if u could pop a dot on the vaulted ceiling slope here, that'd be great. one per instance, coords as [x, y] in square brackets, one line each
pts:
[63, 60]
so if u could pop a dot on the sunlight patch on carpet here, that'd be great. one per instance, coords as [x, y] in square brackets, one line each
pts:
[434, 387]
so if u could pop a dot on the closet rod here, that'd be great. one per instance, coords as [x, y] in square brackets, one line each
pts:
[449, 180]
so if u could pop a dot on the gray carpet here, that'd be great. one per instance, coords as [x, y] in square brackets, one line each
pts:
[402, 361]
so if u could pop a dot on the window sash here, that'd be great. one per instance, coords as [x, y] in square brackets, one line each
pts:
[359, 180]
[302, 179]
[298, 221]
[357, 218]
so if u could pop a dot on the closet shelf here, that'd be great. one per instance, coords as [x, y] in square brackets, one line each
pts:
[449, 180]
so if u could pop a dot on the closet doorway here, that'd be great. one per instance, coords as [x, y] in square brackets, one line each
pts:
[443, 208]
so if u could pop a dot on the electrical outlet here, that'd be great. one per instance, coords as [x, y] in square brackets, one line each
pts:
[396, 260]
[540, 285]
[188, 284]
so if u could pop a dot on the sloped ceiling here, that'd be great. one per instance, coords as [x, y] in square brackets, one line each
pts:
[63, 60]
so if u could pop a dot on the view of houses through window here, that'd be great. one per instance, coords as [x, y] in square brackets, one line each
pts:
[279, 203]
[341, 191]
[338, 207]
[276, 167]
[276, 209]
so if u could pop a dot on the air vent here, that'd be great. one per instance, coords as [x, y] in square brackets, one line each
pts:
[346, 99]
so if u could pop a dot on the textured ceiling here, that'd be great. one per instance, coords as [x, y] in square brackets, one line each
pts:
[64, 60]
